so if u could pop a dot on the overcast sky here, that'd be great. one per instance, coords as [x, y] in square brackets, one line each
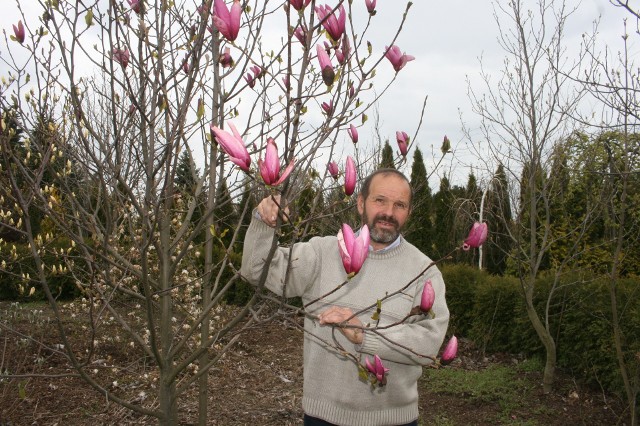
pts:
[447, 38]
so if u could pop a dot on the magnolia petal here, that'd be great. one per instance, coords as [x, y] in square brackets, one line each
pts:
[428, 297]
[234, 19]
[272, 162]
[369, 366]
[350, 177]
[450, 351]
[344, 253]
[285, 174]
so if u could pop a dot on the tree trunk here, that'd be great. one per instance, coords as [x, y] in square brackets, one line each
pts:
[167, 395]
[547, 340]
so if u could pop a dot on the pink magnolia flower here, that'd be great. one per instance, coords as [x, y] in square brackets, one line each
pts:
[328, 75]
[477, 236]
[19, 32]
[251, 78]
[287, 82]
[227, 21]
[350, 176]
[371, 6]
[377, 369]
[135, 5]
[342, 53]
[185, 65]
[428, 297]
[333, 25]
[403, 142]
[233, 145]
[353, 250]
[121, 56]
[299, 4]
[397, 58]
[301, 34]
[328, 107]
[270, 167]
[450, 351]
[352, 90]
[225, 58]
[333, 169]
[353, 133]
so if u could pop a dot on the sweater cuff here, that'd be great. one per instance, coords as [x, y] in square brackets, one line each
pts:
[257, 223]
[369, 345]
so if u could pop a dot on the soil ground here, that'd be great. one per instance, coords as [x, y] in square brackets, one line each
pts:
[259, 382]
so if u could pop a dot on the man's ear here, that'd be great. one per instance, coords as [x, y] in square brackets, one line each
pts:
[360, 204]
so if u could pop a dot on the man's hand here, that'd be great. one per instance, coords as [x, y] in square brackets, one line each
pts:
[268, 210]
[338, 315]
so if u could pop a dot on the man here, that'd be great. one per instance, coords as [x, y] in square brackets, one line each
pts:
[333, 392]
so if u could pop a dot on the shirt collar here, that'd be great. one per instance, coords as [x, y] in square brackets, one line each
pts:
[393, 245]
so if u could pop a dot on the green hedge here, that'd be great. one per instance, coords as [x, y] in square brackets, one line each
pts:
[490, 311]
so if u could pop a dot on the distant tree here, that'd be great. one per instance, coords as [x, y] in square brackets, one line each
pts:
[498, 214]
[224, 213]
[524, 113]
[386, 160]
[443, 238]
[247, 204]
[420, 228]
[466, 202]
[187, 175]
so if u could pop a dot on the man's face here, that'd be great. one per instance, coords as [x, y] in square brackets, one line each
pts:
[386, 209]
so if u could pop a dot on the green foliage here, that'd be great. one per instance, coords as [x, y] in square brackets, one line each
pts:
[586, 342]
[495, 383]
[499, 385]
[443, 236]
[498, 216]
[490, 310]
[419, 228]
[462, 282]
[496, 316]
[187, 174]
[224, 213]
[387, 157]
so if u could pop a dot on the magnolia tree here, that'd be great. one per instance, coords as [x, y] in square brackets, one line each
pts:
[102, 99]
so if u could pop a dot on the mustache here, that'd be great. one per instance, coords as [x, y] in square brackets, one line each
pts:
[385, 218]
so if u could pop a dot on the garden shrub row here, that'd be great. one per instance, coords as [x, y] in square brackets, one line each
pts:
[490, 311]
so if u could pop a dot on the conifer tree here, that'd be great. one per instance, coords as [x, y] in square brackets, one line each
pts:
[420, 228]
[249, 200]
[186, 180]
[186, 174]
[466, 202]
[498, 216]
[386, 161]
[444, 219]
[224, 213]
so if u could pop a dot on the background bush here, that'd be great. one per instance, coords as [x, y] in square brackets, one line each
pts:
[490, 311]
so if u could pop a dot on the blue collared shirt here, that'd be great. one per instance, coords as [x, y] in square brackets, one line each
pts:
[394, 244]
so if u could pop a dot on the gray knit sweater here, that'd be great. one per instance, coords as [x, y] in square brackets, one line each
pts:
[332, 389]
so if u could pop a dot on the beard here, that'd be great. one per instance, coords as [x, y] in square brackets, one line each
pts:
[382, 236]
